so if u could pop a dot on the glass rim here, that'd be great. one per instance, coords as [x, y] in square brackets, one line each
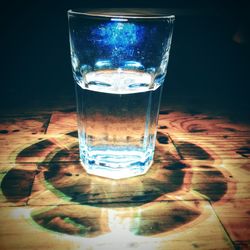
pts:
[123, 13]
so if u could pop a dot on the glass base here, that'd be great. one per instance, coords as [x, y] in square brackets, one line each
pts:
[116, 167]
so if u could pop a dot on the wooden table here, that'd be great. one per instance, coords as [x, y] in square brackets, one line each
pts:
[195, 196]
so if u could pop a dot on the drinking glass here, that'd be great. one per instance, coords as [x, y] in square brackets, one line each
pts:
[119, 61]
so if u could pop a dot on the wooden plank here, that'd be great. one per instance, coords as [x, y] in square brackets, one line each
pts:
[195, 146]
[23, 125]
[159, 226]
[62, 123]
[34, 148]
[166, 180]
[19, 232]
[235, 218]
[198, 189]
[18, 146]
[199, 123]
[70, 181]
[55, 147]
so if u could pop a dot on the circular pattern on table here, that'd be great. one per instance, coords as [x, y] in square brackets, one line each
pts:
[95, 204]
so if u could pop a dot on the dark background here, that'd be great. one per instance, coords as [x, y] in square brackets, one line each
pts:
[209, 62]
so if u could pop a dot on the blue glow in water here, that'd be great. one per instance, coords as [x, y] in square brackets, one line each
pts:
[118, 34]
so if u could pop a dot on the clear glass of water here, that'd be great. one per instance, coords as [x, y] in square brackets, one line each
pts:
[119, 61]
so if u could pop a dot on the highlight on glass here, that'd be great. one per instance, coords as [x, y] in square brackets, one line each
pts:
[119, 61]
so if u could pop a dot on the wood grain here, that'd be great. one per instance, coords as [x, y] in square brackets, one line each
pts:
[195, 195]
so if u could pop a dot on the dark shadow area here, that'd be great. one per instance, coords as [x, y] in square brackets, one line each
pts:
[71, 220]
[96, 199]
[17, 183]
[192, 151]
[34, 149]
[68, 176]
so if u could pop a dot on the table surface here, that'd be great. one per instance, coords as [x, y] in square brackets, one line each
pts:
[196, 195]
